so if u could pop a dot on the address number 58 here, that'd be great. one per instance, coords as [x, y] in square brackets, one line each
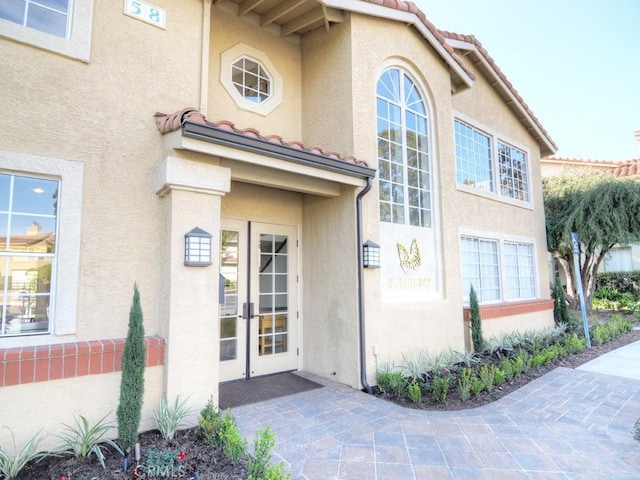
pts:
[146, 12]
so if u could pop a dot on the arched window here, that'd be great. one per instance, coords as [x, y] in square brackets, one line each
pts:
[404, 169]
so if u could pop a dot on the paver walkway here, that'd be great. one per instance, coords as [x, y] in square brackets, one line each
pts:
[567, 424]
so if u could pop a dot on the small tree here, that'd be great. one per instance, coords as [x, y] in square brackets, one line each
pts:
[476, 325]
[132, 382]
[561, 314]
[602, 209]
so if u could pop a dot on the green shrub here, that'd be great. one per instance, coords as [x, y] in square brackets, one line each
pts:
[390, 380]
[600, 334]
[574, 344]
[11, 465]
[234, 445]
[210, 422]
[84, 439]
[171, 418]
[464, 383]
[561, 314]
[414, 392]
[441, 388]
[132, 381]
[507, 367]
[476, 322]
[477, 386]
[259, 464]
[500, 377]
[487, 375]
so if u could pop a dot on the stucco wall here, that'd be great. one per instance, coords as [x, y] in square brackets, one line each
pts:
[100, 114]
[330, 294]
[227, 30]
[92, 396]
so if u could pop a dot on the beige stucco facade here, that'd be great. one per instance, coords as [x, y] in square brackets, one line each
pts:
[129, 192]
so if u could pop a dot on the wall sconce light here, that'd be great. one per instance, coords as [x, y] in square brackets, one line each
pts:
[197, 248]
[371, 255]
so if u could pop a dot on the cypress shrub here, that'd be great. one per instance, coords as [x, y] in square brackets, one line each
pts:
[132, 381]
[476, 326]
[561, 313]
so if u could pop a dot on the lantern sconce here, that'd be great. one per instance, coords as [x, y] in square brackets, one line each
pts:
[370, 255]
[197, 248]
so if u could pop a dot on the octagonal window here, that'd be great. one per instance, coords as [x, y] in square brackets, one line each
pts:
[251, 80]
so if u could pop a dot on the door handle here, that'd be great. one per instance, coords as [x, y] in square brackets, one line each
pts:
[247, 310]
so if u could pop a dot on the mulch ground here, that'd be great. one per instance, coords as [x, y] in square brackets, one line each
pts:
[570, 361]
[211, 464]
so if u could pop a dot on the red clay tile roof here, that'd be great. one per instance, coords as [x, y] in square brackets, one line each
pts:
[411, 7]
[612, 163]
[170, 122]
[630, 168]
[474, 41]
[627, 168]
[442, 36]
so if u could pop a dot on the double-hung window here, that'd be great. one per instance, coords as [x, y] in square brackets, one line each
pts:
[498, 269]
[28, 227]
[61, 26]
[49, 16]
[482, 162]
[404, 173]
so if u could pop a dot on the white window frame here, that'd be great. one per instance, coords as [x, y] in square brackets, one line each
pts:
[501, 240]
[64, 294]
[424, 189]
[614, 255]
[236, 53]
[496, 140]
[76, 45]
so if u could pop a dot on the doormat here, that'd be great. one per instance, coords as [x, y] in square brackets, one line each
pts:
[258, 389]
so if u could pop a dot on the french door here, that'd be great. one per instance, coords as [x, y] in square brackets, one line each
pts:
[258, 315]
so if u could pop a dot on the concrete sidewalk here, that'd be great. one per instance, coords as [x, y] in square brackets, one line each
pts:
[567, 424]
[622, 362]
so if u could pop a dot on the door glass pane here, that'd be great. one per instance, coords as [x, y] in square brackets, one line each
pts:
[273, 301]
[229, 307]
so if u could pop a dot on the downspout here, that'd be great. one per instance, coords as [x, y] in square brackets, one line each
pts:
[363, 352]
[204, 61]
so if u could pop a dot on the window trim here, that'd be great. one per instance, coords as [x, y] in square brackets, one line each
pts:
[495, 138]
[231, 56]
[77, 45]
[501, 239]
[64, 295]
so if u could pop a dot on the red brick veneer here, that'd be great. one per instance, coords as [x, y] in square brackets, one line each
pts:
[487, 312]
[68, 360]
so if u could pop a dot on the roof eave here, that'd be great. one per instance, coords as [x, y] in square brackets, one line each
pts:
[302, 157]
[407, 17]
[547, 145]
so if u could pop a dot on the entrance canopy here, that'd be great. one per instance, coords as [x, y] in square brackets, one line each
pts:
[263, 160]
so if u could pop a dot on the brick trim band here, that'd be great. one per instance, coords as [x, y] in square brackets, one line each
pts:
[68, 360]
[487, 312]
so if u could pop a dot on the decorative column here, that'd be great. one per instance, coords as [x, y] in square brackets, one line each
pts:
[191, 193]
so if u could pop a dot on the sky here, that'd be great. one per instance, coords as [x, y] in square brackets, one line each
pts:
[576, 63]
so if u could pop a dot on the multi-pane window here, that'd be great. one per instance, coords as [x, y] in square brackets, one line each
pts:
[618, 259]
[251, 80]
[480, 159]
[480, 268]
[28, 224]
[520, 270]
[403, 151]
[49, 16]
[498, 269]
[514, 179]
[473, 157]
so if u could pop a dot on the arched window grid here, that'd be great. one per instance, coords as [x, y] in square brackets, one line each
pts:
[403, 151]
